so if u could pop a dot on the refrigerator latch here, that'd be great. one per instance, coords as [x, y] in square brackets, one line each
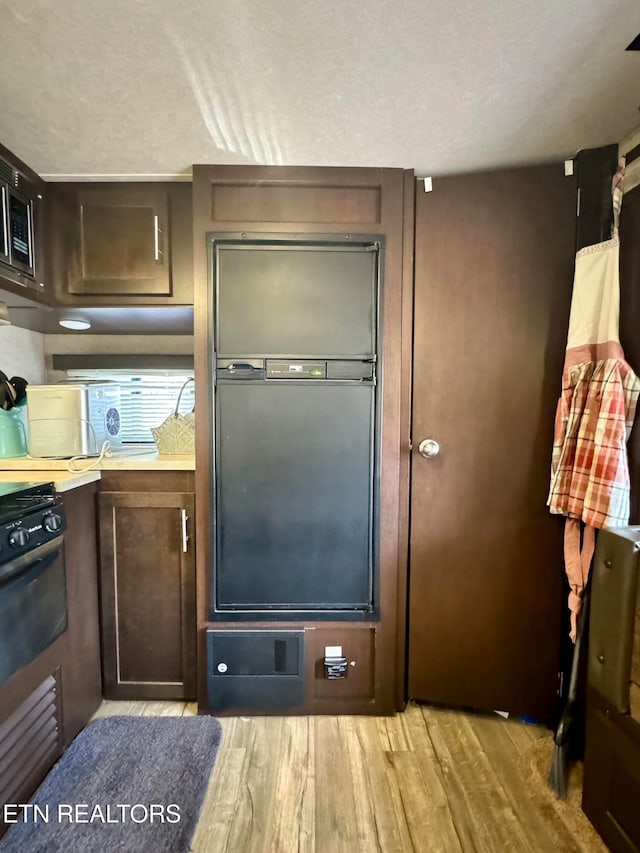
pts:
[246, 368]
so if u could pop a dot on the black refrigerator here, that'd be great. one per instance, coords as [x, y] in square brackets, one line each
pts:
[295, 366]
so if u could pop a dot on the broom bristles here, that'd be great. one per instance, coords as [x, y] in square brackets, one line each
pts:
[558, 778]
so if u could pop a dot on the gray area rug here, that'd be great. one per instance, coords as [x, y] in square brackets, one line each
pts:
[125, 784]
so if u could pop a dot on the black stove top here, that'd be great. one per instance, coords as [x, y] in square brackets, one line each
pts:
[20, 499]
[30, 515]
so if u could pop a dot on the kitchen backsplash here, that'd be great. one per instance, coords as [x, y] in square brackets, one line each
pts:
[22, 354]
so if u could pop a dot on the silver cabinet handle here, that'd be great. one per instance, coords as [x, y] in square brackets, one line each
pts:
[32, 260]
[5, 222]
[156, 237]
[429, 448]
[185, 536]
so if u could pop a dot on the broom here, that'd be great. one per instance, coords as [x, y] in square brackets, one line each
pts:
[565, 734]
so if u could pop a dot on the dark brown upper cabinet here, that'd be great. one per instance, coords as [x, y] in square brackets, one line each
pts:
[124, 243]
[111, 244]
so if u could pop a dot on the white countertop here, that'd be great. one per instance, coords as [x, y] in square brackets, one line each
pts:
[24, 469]
[131, 459]
[64, 481]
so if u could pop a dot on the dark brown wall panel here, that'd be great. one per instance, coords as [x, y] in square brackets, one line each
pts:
[358, 646]
[81, 681]
[270, 202]
[595, 168]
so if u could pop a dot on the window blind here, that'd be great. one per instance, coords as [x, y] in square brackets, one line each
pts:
[147, 398]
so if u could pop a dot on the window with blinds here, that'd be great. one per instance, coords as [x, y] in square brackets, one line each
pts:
[147, 398]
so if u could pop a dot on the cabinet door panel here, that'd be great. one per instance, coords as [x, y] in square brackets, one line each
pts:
[115, 244]
[124, 246]
[148, 611]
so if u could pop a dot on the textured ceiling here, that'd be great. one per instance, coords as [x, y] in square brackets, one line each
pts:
[131, 87]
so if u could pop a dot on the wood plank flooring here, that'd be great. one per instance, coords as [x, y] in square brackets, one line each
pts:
[424, 781]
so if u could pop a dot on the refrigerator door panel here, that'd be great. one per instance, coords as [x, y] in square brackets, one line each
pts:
[295, 479]
[284, 300]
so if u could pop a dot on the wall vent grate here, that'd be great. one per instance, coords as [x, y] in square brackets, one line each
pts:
[30, 742]
[6, 172]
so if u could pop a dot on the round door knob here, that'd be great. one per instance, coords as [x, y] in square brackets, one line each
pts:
[429, 448]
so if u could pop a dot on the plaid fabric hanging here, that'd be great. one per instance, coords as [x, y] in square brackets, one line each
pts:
[596, 410]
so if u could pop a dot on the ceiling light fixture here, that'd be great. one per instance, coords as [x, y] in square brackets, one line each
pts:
[76, 325]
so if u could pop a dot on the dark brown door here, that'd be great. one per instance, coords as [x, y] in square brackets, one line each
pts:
[494, 268]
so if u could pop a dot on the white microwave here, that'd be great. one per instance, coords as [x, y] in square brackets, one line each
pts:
[73, 419]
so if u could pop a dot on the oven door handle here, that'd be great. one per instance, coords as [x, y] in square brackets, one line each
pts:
[11, 570]
[5, 221]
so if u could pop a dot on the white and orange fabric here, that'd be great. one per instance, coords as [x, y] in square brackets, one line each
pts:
[596, 410]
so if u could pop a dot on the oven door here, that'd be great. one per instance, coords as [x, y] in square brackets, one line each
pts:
[33, 605]
[20, 219]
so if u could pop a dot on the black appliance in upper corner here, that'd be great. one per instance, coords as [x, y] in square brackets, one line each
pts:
[33, 608]
[18, 201]
[295, 363]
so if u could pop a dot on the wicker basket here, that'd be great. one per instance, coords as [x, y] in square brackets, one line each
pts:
[178, 433]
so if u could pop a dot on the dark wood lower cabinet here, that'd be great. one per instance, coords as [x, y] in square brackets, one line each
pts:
[147, 572]
[612, 775]
[81, 678]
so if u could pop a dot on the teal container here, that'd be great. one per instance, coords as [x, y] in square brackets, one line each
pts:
[19, 411]
[13, 438]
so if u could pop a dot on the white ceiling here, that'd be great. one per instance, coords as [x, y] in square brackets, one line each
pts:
[134, 87]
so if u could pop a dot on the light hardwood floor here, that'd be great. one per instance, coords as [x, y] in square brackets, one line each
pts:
[427, 780]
